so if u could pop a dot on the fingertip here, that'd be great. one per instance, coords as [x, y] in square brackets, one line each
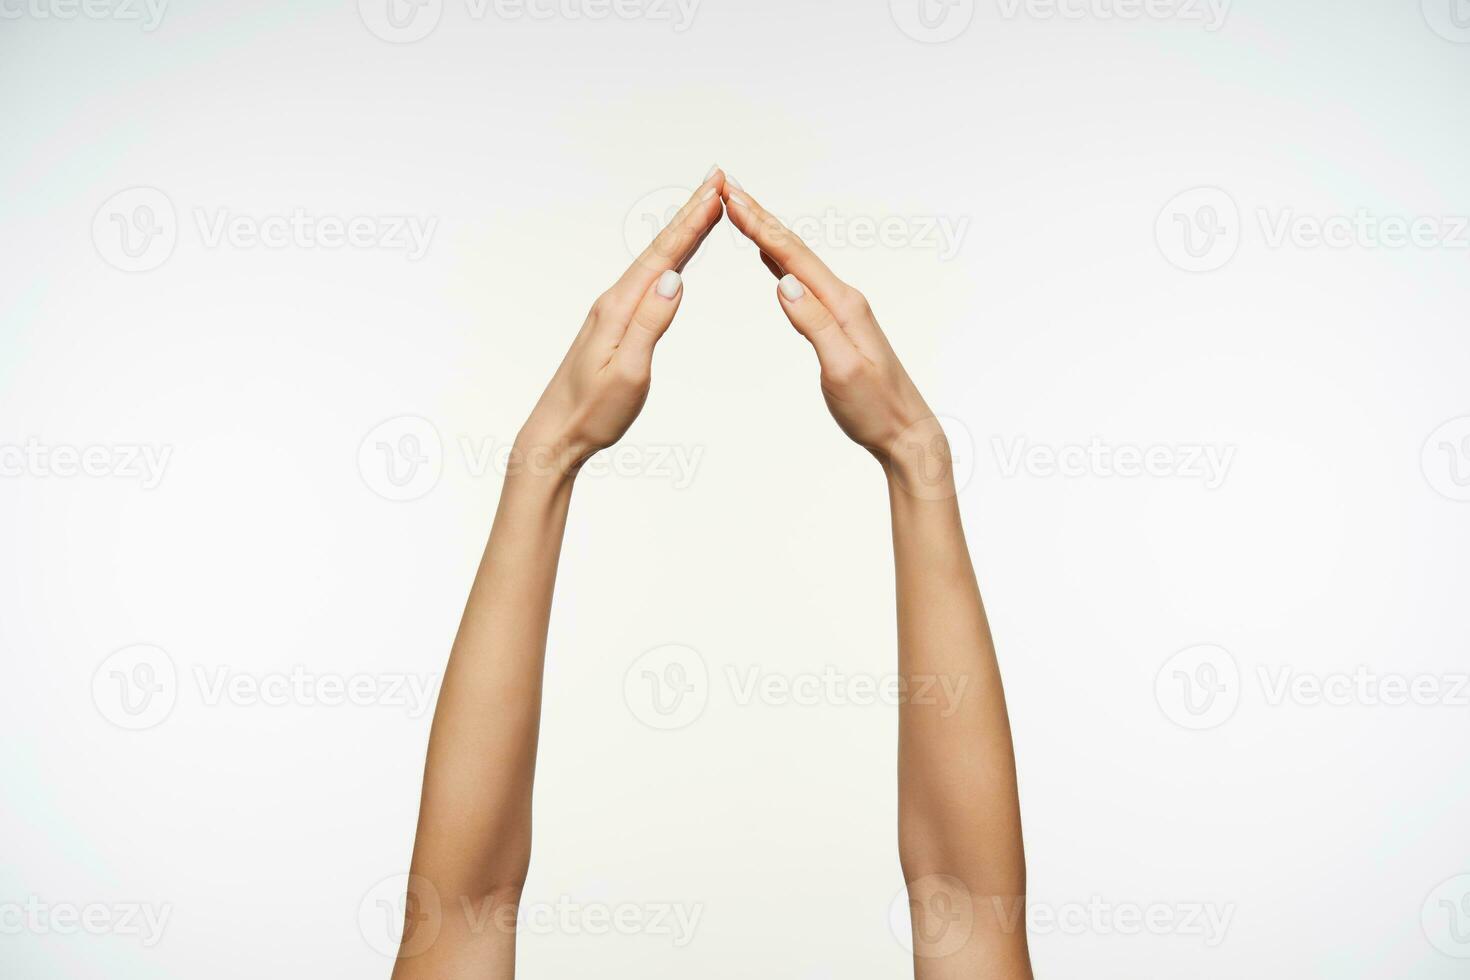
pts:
[669, 284]
[791, 288]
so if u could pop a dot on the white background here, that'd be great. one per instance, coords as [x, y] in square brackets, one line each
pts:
[1329, 832]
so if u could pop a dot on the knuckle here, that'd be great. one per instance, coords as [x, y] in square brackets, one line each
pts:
[844, 373]
[852, 305]
[773, 233]
[669, 242]
[631, 372]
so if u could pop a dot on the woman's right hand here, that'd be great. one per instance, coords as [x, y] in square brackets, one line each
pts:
[601, 385]
[865, 385]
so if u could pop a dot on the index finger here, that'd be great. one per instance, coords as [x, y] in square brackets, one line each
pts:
[784, 246]
[677, 243]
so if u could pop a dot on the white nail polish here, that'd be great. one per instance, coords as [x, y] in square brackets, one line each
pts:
[668, 284]
[712, 171]
[709, 192]
[792, 288]
[734, 183]
[739, 199]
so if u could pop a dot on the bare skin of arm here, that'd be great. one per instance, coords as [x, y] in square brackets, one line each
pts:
[473, 845]
[959, 818]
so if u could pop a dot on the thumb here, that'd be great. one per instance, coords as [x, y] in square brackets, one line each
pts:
[816, 323]
[652, 318]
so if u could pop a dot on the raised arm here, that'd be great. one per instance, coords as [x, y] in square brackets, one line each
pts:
[959, 823]
[473, 845]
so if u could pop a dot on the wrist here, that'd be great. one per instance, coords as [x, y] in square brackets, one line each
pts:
[919, 463]
[546, 462]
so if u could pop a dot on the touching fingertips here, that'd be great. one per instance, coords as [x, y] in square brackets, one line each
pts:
[791, 288]
[669, 283]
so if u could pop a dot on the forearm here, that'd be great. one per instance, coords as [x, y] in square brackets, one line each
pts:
[474, 836]
[959, 815]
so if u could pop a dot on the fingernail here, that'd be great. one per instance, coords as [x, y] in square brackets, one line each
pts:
[731, 181]
[709, 192]
[668, 284]
[792, 288]
[712, 171]
[738, 198]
